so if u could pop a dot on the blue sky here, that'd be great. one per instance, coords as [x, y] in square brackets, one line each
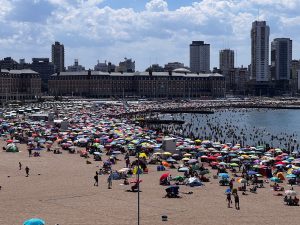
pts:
[149, 31]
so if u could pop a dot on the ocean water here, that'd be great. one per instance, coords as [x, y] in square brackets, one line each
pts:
[276, 127]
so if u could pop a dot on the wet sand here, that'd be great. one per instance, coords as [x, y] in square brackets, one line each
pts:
[63, 193]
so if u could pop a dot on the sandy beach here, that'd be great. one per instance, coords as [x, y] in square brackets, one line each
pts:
[63, 193]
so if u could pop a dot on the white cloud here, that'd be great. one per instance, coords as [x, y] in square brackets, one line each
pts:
[156, 30]
[5, 8]
[157, 6]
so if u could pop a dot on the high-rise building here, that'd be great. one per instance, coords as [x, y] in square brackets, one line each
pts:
[226, 59]
[281, 57]
[260, 51]
[76, 66]
[45, 68]
[295, 68]
[199, 57]
[58, 56]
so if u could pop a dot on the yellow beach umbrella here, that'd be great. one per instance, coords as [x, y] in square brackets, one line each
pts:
[167, 153]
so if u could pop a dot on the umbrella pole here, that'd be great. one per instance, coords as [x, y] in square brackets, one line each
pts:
[138, 180]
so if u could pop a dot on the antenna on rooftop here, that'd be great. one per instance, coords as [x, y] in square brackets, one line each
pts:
[258, 14]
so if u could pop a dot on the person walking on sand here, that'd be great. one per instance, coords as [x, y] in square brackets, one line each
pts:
[20, 166]
[96, 179]
[109, 180]
[236, 201]
[228, 198]
[27, 171]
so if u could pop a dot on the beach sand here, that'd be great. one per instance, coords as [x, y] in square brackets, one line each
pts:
[63, 193]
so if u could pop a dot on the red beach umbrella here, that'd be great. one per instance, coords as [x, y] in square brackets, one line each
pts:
[164, 176]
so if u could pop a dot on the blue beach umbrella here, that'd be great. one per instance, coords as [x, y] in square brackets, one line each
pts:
[291, 176]
[251, 172]
[224, 175]
[276, 180]
[34, 221]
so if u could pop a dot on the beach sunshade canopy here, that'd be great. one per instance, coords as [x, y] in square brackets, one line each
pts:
[34, 221]
[290, 192]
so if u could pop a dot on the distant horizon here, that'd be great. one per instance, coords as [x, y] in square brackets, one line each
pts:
[147, 31]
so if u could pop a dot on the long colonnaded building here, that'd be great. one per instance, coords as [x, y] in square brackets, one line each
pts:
[179, 83]
[20, 85]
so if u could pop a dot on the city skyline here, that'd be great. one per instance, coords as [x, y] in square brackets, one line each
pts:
[149, 32]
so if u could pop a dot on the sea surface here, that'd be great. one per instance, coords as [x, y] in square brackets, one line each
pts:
[277, 127]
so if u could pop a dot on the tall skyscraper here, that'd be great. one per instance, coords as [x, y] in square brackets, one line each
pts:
[199, 57]
[226, 59]
[260, 33]
[281, 57]
[58, 56]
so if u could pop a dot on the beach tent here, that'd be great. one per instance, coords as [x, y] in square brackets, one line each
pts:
[12, 148]
[193, 182]
[34, 221]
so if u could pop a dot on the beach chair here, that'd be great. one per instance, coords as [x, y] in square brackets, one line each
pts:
[172, 192]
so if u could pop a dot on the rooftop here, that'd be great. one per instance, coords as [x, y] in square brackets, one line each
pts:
[23, 71]
[179, 73]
